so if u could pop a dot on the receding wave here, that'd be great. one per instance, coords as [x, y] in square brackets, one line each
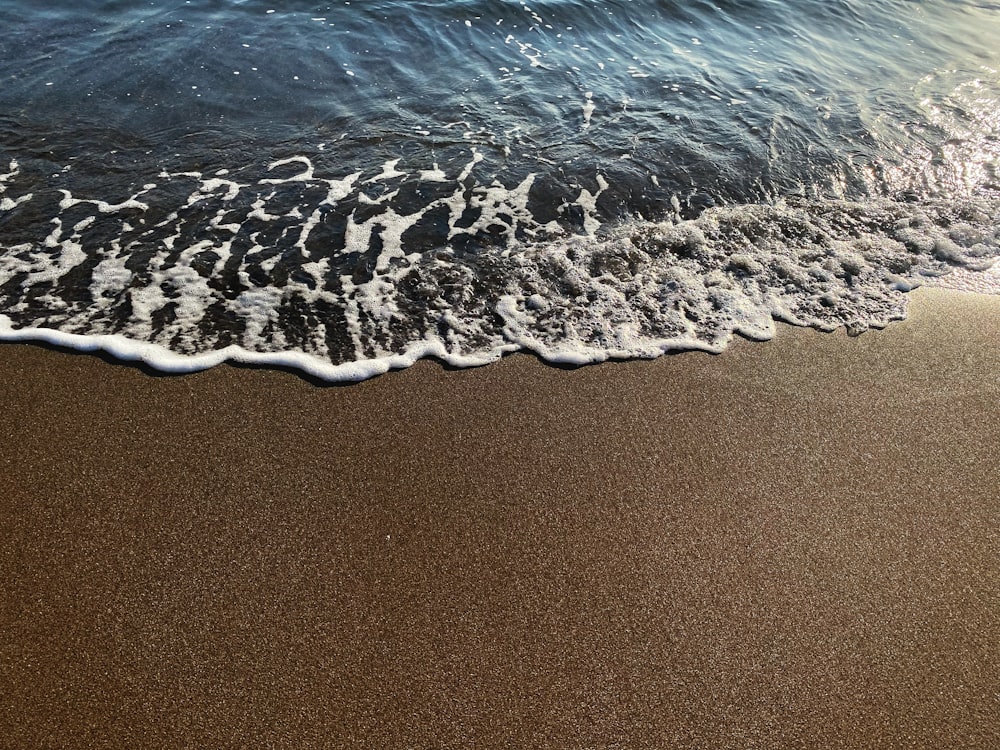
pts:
[348, 188]
[347, 275]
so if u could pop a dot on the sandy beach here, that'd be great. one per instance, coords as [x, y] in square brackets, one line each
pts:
[792, 544]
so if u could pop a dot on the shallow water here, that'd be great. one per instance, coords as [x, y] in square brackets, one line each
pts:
[349, 187]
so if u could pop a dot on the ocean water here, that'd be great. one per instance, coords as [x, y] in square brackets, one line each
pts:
[348, 187]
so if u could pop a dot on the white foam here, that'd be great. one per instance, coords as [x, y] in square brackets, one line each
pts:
[110, 278]
[433, 175]
[104, 207]
[389, 172]
[636, 290]
[259, 308]
[588, 202]
[963, 280]
[588, 109]
[499, 206]
[46, 264]
[306, 175]
[211, 186]
[8, 204]
[529, 51]
[393, 226]
[467, 170]
[165, 360]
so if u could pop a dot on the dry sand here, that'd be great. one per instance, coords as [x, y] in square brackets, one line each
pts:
[793, 544]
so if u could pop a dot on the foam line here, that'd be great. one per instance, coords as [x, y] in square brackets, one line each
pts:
[164, 360]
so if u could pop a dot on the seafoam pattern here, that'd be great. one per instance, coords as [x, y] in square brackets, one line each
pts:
[348, 275]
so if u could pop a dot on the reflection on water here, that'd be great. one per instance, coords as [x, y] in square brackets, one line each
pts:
[742, 101]
[954, 150]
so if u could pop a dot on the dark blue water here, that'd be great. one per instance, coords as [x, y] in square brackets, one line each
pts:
[347, 187]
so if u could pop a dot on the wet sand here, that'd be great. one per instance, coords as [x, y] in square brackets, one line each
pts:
[793, 544]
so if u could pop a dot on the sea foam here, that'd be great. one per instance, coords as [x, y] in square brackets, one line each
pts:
[249, 270]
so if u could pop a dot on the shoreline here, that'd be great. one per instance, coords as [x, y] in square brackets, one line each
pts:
[792, 543]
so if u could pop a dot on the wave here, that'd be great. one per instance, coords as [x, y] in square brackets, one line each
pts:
[347, 190]
[350, 275]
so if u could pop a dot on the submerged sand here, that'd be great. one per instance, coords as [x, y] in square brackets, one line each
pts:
[792, 544]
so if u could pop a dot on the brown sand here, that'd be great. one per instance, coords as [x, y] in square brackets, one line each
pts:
[794, 544]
